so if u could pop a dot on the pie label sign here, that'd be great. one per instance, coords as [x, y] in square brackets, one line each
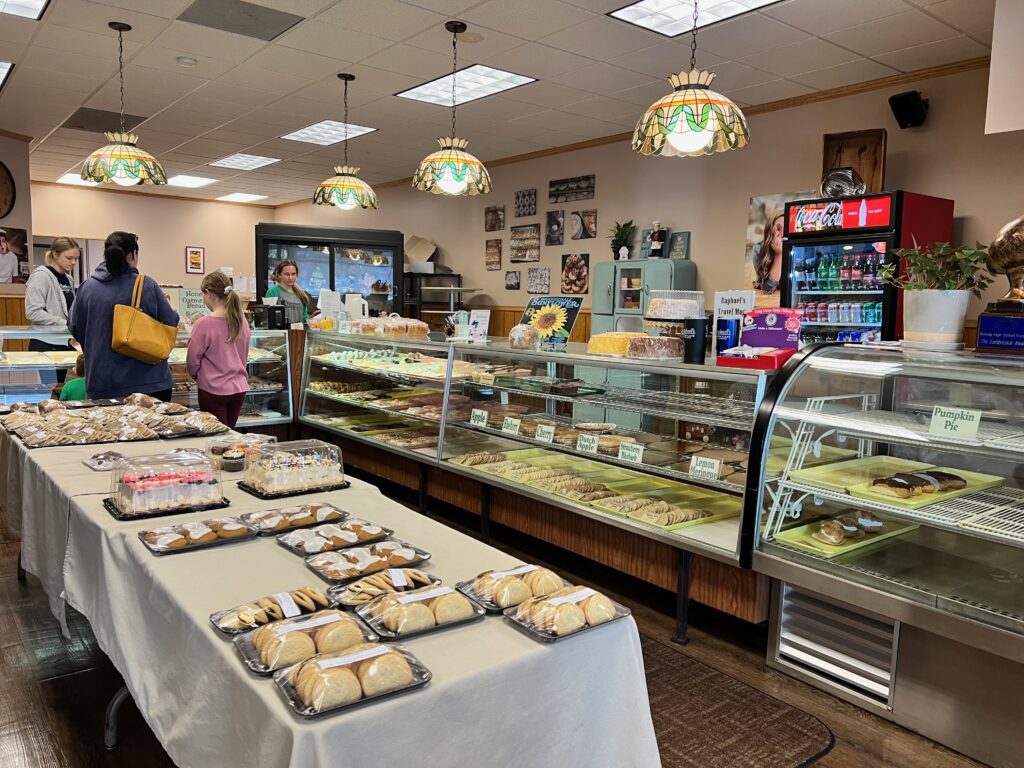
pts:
[705, 469]
[633, 452]
[478, 417]
[545, 433]
[510, 426]
[586, 443]
[954, 423]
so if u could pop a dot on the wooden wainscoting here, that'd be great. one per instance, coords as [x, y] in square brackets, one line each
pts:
[12, 312]
[504, 318]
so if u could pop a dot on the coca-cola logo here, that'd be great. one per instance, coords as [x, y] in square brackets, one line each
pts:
[818, 216]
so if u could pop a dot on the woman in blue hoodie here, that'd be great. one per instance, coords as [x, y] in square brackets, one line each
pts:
[109, 373]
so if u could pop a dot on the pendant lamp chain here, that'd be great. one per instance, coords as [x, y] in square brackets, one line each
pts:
[120, 70]
[455, 66]
[346, 122]
[693, 41]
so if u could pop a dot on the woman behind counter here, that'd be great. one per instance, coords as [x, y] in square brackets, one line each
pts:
[49, 293]
[108, 373]
[291, 296]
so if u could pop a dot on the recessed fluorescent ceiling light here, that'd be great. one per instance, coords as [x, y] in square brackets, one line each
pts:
[76, 179]
[5, 70]
[189, 181]
[245, 162]
[471, 84]
[674, 17]
[327, 132]
[241, 197]
[29, 9]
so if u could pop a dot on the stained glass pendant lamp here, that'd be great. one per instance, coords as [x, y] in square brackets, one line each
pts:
[693, 120]
[121, 161]
[345, 189]
[451, 170]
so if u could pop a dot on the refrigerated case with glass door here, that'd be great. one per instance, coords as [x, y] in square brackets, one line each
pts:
[364, 261]
[833, 255]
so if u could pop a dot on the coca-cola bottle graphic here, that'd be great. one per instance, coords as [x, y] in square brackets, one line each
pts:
[862, 215]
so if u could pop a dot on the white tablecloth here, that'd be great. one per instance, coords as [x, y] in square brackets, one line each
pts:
[497, 698]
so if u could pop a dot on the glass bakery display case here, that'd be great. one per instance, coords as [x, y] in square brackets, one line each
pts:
[31, 376]
[891, 500]
[553, 426]
[269, 400]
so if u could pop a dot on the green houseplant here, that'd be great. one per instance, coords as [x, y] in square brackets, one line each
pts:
[622, 237]
[938, 281]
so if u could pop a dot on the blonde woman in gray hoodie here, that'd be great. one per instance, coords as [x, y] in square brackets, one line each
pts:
[50, 292]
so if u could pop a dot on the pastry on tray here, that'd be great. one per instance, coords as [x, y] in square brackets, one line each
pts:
[419, 609]
[393, 580]
[172, 537]
[282, 519]
[511, 587]
[332, 536]
[337, 679]
[282, 605]
[904, 485]
[473, 459]
[280, 644]
[565, 611]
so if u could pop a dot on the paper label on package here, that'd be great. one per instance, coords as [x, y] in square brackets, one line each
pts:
[478, 417]
[510, 426]
[586, 443]
[352, 658]
[514, 572]
[954, 423]
[545, 433]
[430, 594]
[319, 621]
[288, 606]
[705, 469]
[503, 398]
[487, 379]
[633, 452]
[397, 577]
[573, 597]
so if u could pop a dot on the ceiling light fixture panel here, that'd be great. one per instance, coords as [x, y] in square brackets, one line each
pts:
[241, 197]
[76, 180]
[27, 9]
[327, 132]
[471, 83]
[672, 18]
[243, 162]
[5, 70]
[192, 182]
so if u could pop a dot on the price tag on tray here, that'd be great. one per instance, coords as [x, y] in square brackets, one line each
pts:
[545, 433]
[510, 426]
[705, 469]
[586, 443]
[633, 452]
[478, 417]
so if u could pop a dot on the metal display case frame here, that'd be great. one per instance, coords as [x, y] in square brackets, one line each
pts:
[12, 391]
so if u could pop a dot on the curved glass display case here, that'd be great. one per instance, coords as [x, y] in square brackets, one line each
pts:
[27, 376]
[269, 400]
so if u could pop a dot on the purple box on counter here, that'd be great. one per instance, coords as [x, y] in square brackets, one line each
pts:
[771, 327]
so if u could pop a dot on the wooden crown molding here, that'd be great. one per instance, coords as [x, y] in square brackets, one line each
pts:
[15, 136]
[128, 190]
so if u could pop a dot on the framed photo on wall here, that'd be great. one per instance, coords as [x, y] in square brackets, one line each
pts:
[195, 260]
[679, 245]
[526, 202]
[512, 281]
[494, 218]
[492, 255]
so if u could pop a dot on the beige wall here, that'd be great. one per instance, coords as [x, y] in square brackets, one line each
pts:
[948, 157]
[164, 226]
[14, 154]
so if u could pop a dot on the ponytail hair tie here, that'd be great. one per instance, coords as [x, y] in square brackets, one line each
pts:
[227, 289]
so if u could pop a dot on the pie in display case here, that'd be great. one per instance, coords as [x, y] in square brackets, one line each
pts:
[666, 459]
[892, 500]
[269, 400]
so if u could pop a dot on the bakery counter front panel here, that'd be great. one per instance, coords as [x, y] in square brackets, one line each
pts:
[27, 375]
[899, 472]
[269, 400]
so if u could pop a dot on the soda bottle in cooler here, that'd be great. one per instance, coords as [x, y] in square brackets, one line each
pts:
[823, 273]
[799, 282]
[834, 282]
[870, 279]
[857, 272]
[810, 271]
[856, 312]
[822, 312]
[844, 274]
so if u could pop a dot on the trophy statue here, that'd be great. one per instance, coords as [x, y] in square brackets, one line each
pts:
[1001, 325]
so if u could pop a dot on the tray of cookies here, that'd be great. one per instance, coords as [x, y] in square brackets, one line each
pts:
[186, 537]
[339, 681]
[387, 582]
[281, 605]
[419, 612]
[564, 613]
[353, 563]
[332, 536]
[498, 590]
[290, 641]
[275, 521]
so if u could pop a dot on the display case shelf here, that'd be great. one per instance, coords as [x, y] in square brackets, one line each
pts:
[369, 406]
[423, 455]
[703, 409]
[841, 291]
[398, 378]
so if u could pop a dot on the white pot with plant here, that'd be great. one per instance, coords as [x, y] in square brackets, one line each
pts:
[937, 283]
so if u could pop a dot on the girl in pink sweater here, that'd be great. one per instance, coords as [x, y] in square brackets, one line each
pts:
[218, 351]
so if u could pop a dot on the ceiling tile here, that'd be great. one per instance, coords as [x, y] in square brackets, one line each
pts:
[88, 17]
[605, 108]
[99, 46]
[664, 59]
[819, 17]
[370, 84]
[520, 18]
[934, 54]
[58, 61]
[548, 94]
[972, 17]
[602, 78]
[491, 43]
[294, 62]
[264, 79]
[15, 29]
[804, 56]
[331, 40]
[416, 62]
[732, 76]
[304, 8]
[844, 74]
[745, 36]
[221, 90]
[192, 39]
[447, 7]
[143, 85]
[774, 90]
[892, 33]
[164, 59]
[602, 38]
[383, 18]
[644, 95]
[600, 6]
[165, 9]
[538, 61]
[567, 122]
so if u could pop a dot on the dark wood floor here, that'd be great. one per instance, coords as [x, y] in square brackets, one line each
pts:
[53, 691]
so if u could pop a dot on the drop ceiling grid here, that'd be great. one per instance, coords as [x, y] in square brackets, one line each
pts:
[595, 72]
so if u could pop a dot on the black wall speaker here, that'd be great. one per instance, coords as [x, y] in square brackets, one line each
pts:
[909, 109]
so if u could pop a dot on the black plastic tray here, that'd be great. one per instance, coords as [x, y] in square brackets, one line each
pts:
[251, 657]
[289, 494]
[466, 588]
[621, 612]
[115, 513]
[384, 633]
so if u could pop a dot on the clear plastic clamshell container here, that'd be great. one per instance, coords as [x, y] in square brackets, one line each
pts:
[264, 610]
[675, 305]
[498, 590]
[355, 562]
[232, 453]
[332, 536]
[419, 611]
[164, 484]
[185, 537]
[387, 582]
[333, 682]
[564, 613]
[290, 641]
[287, 469]
[274, 521]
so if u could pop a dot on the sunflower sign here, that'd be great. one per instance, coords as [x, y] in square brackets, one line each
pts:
[553, 317]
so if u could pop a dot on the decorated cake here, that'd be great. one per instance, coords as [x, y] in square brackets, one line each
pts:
[612, 343]
[164, 483]
[295, 466]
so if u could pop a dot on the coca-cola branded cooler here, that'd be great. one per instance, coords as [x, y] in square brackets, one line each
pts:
[834, 250]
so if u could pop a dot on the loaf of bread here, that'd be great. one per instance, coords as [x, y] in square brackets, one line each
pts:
[566, 610]
[419, 609]
[511, 587]
[364, 670]
[283, 643]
